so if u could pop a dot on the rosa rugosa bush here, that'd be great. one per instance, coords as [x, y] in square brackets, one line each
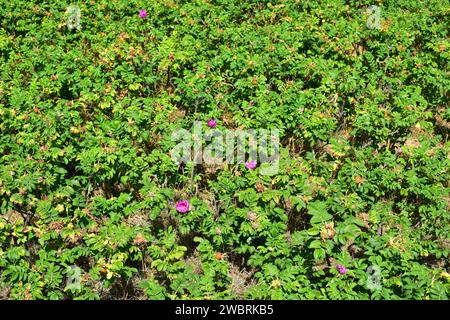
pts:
[92, 206]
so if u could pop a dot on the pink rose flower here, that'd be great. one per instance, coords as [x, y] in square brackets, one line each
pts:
[251, 165]
[143, 14]
[182, 206]
[212, 123]
[341, 269]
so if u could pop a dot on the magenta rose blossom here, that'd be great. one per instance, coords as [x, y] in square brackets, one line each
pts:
[182, 206]
[142, 13]
[341, 269]
[251, 165]
[212, 123]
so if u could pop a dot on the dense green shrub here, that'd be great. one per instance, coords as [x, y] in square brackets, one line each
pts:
[88, 187]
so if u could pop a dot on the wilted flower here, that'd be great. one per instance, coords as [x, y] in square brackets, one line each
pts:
[142, 14]
[212, 123]
[341, 269]
[139, 239]
[182, 206]
[251, 165]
